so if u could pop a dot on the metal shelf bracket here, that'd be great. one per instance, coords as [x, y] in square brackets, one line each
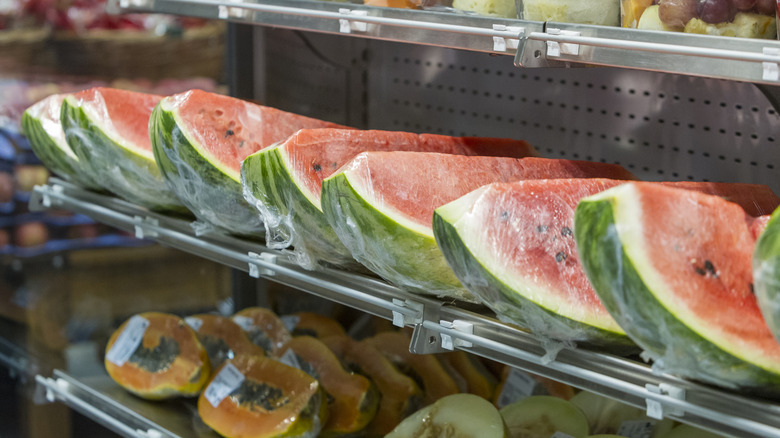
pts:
[425, 340]
[656, 409]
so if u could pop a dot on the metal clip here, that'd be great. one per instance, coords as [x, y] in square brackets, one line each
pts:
[142, 229]
[402, 320]
[347, 25]
[771, 70]
[556, 49]
[501, 44]
[656, 409]
[255, 270]
[228, 12]
[458, 325]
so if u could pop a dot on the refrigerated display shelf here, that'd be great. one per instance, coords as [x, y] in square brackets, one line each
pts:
[532, 43]
[438, 326]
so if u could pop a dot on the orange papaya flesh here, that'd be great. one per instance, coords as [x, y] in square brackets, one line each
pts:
[273, 401]
[352, 399]
[316, 325]
[424, 368]
[222, 338]
[264, 328]
[168, 362]
[479, 380]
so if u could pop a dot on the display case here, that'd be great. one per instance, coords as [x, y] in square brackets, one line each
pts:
[665, 106]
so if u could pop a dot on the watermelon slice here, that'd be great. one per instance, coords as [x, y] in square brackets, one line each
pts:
[41, 125]
[673, 267]
[108, 130]
[284, 182]
[766, 272]
[511, 245]
[381, 206]
[199, 142]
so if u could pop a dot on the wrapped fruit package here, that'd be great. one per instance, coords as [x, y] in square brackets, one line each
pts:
[284, 182]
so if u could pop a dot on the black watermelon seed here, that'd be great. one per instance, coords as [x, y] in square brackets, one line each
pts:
[228, 133]
[710, 268]
[566, 231]
[317, 167]
[504, 215]
[752, 291]
[334, 165]
[541, 229]
[561, 256]
[700, 271]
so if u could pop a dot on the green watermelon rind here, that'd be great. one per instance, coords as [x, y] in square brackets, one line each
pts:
[210, 191]
[766, 273]
[383, 244]
[52, 156]
[290, 216]
[619, 283]
[511, 303]
[138, 179]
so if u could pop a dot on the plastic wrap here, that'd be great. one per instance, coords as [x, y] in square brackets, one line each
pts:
[710, 17]
[598, 12]
[381, 206]
[673, 267]
[200, 140]
[284, 182]
[260, 396]
[108, 131]
[41, 125]
[766, 271]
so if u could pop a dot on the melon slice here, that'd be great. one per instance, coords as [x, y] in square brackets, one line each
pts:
[200, 139]
[264, 328]
[284, 182]
[222, 338]
[425, 369]
[457, 415]
[766, 273]
[512, 245]
[157, 356]
[381, 206]
[673, 267]
[352, 399]
[41, 125]
[108, 130]
[541, 416]
[258, 397]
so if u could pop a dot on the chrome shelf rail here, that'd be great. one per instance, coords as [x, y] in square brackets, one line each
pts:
[533, 43]
[439, 326]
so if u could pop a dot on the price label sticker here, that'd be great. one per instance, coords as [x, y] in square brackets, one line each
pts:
[561, 435]
[518, 386]
[637, 429]
[227, 381]
[290, 359]
[128, 341]
[193, 322]
[290, 322]
[244, 322]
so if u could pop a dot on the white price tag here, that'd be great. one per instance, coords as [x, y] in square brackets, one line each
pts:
[244, 322]
[637, 429]
[228, 379]
[128, 341]
[518, 386]
[290, 322]
[290, 359]
[193, 322]
[561, 435]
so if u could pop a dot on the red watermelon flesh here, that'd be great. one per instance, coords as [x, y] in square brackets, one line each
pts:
[414, 184]
[127, 112]
[523, 232]
[229, 129]
[317, 154]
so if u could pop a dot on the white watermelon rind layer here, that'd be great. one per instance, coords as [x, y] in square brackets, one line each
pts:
[385, 243]
[129, 173]
[513, 297]
[612, 252]
[766, 273]
[209, 189]
[292, 214]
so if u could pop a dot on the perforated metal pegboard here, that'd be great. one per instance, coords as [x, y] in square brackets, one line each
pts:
[660, 126]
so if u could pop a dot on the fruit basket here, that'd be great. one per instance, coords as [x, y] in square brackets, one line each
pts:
[195, 51]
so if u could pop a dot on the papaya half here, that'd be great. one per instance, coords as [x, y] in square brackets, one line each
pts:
[222, 338]
[264, 328]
